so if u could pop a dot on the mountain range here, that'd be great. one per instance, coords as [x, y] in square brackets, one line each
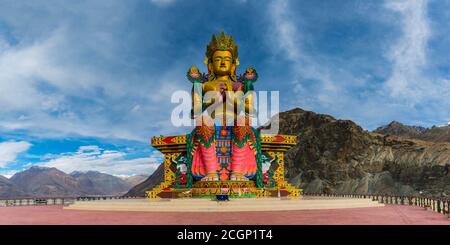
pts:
[9, 189]
[135, 179]
[149, 183]
[338, 156]
[51, 182]
[434, 134]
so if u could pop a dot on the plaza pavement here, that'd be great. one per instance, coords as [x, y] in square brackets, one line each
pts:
[388, 215]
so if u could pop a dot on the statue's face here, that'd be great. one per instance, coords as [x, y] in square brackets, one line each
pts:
[222, 62]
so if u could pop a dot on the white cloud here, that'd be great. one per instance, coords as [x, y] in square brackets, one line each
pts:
[288, 44]
[163, 3]
[409, 53]
[51, 85]
[24, 71]
[94, 158]
[332, 83]
[8, 174]
[10, 150]
[3, 45]
[287, 36]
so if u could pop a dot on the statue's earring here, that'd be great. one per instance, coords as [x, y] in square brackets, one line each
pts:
[233, 72]
[211, 74]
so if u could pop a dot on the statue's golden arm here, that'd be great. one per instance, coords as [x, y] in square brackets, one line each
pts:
[201, 102]
[197, 103]
[249, 104]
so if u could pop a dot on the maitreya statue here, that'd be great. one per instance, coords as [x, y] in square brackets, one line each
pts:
[223, 145]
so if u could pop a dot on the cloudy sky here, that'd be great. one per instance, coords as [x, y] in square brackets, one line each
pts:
[84, 85]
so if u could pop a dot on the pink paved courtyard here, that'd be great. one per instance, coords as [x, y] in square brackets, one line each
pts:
[390, 214]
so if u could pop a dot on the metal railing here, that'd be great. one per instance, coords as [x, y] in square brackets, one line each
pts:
[35, 201]
[439, 205]
[96, 198]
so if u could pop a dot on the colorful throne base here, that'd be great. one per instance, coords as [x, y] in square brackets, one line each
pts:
[273, 147]
[231, 188]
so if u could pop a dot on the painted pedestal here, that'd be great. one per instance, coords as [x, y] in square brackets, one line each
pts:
[273, 148]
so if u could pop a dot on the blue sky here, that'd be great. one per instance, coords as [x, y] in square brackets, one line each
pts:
[84, 85]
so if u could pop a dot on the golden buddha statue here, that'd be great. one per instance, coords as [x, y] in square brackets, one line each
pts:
[224, 145]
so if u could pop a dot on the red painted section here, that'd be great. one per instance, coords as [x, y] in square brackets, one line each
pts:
[168, 139]
[390, 214]
[278, 138]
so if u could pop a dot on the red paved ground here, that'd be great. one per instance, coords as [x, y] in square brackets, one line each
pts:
[390, 214]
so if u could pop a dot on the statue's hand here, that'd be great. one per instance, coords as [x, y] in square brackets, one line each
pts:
[218, 98]
[222, 87]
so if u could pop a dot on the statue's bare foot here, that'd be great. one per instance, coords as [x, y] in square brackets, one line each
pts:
[238, 177]
[211, 177]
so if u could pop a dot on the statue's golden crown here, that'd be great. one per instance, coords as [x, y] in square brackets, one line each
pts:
[223, 43]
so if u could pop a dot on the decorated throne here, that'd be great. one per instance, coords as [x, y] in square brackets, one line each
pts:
[223, 154]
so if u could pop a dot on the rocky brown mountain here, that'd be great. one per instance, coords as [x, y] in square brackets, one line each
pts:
[338, 156]
[399, 129]
[434, 134]
[8, 188]
[96, 183]
[149, 183]
[51, 182]
[47, 182]
[135, 179]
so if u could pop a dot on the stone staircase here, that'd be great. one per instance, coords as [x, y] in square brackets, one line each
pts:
[234, 205]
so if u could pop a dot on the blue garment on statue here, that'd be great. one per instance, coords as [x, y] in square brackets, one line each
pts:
[223, 145]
